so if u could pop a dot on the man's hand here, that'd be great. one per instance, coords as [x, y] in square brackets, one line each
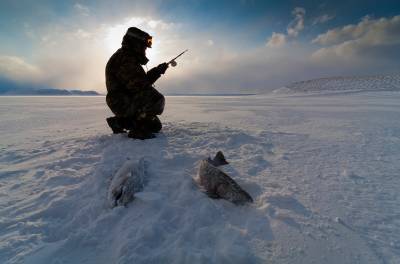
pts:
[162, 68]
[156, 72]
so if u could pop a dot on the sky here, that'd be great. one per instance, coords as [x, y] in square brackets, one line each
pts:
[243, 46]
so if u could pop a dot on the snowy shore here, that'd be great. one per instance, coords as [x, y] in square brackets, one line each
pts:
[323, 171]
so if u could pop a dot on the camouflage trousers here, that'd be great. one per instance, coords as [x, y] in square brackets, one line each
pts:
[146, 102]
[137, 110]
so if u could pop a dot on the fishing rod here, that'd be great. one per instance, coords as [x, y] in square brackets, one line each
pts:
[173, 62]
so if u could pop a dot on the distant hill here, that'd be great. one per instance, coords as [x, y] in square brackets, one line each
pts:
[209, 94]
[343, 84]
[48, 91]
[11, 88]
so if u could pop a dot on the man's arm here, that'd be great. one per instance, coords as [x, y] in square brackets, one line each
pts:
[134, 77]
[155, 73]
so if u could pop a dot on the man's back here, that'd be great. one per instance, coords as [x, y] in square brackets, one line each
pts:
[123, 71]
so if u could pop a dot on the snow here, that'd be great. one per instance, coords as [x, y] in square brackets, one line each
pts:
[344, 84]
[323, 171]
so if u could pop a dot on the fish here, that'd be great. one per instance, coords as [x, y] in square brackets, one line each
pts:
[217, 184]
[218, 160]
[128, 180]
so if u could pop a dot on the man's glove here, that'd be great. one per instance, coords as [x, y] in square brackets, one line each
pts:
[162, 67]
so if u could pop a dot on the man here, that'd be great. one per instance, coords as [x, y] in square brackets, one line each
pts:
[130, 92]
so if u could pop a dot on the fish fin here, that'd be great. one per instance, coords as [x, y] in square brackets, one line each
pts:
[218, 160]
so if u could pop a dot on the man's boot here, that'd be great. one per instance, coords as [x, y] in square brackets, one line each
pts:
[152, 124]
[128, 123]
[115, 124]
[140, 134]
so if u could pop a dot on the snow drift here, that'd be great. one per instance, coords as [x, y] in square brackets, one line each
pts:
[344, 84]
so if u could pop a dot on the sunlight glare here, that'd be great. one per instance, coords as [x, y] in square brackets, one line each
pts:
[115, 33]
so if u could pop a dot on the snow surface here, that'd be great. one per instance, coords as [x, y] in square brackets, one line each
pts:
[344, 84]
[323, 170]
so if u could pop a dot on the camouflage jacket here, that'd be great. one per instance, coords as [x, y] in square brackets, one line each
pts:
[124, 74]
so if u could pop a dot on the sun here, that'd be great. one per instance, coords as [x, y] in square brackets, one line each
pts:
[115, 33]
[114, 37]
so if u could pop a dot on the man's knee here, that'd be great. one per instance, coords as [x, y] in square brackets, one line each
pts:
[154, 102]
[150, 123]
[159, 106]
[149, 102]
[122, 105]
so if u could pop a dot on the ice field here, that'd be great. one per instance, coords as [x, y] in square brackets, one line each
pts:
[323, 170]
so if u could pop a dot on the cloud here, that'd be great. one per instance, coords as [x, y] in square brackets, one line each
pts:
[370, 39]
[82, 9]
[322, 19]
[210, 42]
[377, 30]
[253, 71]
[293, 29]
[18, 70]
[276, 40]
[348, 32]
[297, 24]
[74, 55]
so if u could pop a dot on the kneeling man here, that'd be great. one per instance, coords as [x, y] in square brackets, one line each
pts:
[130, 92]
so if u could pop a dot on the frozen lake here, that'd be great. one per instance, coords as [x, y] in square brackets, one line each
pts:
[323, 171]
